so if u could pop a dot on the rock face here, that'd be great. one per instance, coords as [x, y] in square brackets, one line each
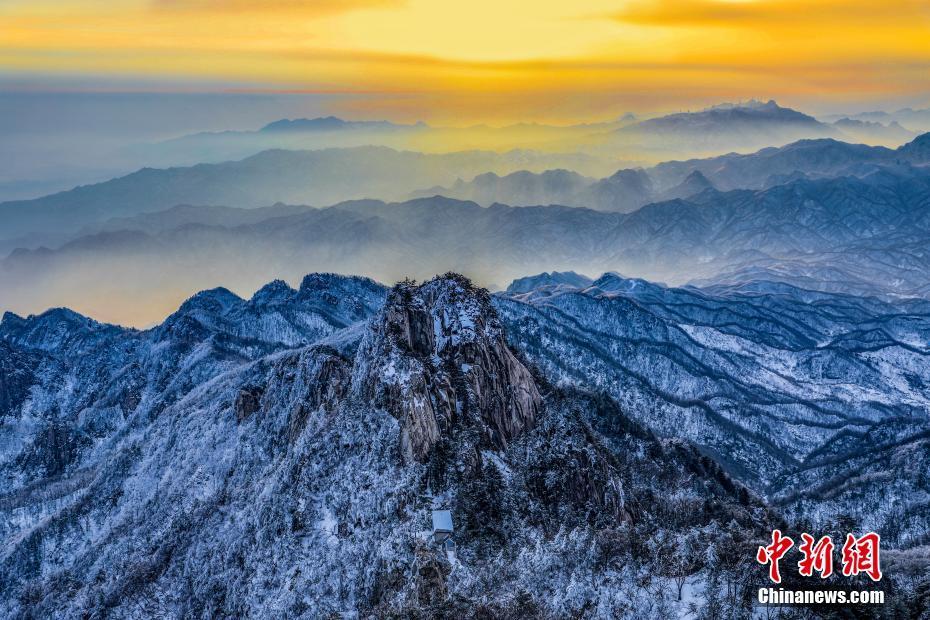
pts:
[16, 377]
[438, 357]
[248, 402]
[316, 379]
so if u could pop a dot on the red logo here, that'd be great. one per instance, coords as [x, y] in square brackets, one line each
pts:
[817, 557]
[860, 555]
[773, 553]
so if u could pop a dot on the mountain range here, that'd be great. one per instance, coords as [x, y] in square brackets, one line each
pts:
[297, 177]
[916, 119]
[874, 132]
[283, 454]
[630, 189]
[329, 176]
[214, 403]
[64, 158]
[865, 234]
[726, 127]
[624, 191]
[792, 390]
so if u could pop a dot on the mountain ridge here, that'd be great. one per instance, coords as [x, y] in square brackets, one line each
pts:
[271, 176]
[287, 447]
[629, 189]
[862, 234]
[295, 177]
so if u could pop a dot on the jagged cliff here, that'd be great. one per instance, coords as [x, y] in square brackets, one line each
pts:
[437, 356]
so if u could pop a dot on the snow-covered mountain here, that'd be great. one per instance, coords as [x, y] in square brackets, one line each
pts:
[786, 387]
[282, 456]
[199, 470]
[546, 281]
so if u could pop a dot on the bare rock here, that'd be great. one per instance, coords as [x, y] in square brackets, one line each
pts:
[436, 356]
[314, 379]
[248, 401]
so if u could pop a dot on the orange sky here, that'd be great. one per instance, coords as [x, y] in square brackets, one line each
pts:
[495, 60]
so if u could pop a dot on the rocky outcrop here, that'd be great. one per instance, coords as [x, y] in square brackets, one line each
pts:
[436, 357]
[16, 377]
[311, 380]
[248, 401]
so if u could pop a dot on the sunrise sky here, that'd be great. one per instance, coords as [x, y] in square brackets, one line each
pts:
[481, 60]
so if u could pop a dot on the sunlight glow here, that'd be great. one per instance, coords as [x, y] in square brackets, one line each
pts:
[453, 56]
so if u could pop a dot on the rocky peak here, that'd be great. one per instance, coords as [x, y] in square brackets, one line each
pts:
[11, 321]
[637, 179]
[697, 180]
[436, 358]
[208, 306]
[568, 279]
[200, 316]
[342, 300]
[335, 283]
[276, 315]
[275, 292]
[50, 330]
[319, 281]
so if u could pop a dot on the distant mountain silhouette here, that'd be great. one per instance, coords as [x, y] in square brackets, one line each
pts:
[518, 188]
[317, 178]
[694, 183]
[329, 176]
[857, 234]
[628, 189]
[750, 124]
[332, 123]
[912, 119]
[871, 131]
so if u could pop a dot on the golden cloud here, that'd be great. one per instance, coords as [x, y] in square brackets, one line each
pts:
[765, 13]
[304, 7]
[489, 57]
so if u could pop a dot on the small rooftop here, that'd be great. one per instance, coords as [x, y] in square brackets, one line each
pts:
[442, 521]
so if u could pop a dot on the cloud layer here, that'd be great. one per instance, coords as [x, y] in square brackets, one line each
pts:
[486, 60]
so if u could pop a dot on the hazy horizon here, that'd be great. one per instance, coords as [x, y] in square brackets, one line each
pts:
[84, 83]
[113, 114]
[59, 137]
